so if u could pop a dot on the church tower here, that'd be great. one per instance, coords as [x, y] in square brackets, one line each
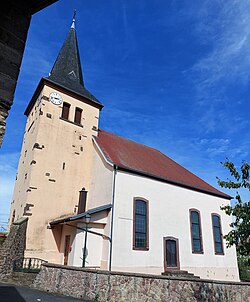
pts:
[56, 157]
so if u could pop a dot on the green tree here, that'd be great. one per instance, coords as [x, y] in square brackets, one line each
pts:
[240, 233]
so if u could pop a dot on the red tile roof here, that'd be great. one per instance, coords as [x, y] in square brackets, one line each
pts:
[144, 160]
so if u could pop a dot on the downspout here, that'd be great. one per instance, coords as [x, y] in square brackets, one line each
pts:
[112, 217]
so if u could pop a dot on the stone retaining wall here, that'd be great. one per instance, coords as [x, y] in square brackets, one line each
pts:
[116, 286]
[13, 247]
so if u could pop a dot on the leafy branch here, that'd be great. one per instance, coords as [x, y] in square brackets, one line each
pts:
[240, 233]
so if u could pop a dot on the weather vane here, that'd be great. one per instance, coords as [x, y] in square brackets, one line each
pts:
[74, 19]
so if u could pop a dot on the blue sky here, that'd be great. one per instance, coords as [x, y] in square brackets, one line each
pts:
[173, 75]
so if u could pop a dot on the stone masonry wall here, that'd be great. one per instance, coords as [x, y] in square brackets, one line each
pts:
[13, 247]
[116, 286]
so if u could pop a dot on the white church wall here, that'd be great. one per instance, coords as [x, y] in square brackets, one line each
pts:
[106, 244]
[94, 247]
[169, 207]
[100, 192]
[77, 249]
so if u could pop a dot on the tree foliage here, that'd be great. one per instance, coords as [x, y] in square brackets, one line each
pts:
[240, 233]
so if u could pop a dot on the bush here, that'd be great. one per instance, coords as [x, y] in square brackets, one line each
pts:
[244, 267]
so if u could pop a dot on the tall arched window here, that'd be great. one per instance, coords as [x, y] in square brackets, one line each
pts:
[196, 234]
[140, 240]
[218, 244]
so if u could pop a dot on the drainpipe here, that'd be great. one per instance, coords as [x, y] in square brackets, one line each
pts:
[112, 217]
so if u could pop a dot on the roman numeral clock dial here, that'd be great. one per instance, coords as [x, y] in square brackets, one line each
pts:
[55, 98]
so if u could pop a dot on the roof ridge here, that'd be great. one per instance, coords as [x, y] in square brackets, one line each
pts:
[128, 139]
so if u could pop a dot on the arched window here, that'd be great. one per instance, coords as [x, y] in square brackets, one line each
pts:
[140, 240]
[218, 244]
[196, 234]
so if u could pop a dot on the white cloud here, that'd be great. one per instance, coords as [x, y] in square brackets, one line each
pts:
[228, 33]
[218, 149]
[223, 27]
[36, 61]
[8, 163]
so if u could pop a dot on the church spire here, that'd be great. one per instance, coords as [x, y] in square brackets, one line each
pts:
[67, 70]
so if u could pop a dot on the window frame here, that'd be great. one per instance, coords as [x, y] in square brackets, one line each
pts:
[146, 248]
[191, 233]
[67, 105]
[167, 268]
[79, 110]
[221, 235]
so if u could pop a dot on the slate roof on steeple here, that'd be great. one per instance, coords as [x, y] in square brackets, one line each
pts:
[67, 70]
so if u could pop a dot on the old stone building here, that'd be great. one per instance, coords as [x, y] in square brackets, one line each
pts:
[98, 200]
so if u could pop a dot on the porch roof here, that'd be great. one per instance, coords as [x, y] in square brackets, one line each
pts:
[81, 215]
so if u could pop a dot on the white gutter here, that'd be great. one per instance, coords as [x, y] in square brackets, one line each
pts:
[102, 154]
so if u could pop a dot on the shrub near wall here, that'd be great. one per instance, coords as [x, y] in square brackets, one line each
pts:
[116, 286]
[244, 267]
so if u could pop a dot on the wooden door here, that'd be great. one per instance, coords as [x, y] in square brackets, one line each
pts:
[66, 249]
[171, 253]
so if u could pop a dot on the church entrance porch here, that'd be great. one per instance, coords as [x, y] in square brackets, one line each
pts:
[75, 250]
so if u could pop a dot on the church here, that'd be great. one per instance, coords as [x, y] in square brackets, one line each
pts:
[97, 200]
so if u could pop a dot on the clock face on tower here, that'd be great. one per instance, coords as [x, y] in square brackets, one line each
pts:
[55, 98]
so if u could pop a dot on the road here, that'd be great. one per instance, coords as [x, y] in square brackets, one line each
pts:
[14, 293]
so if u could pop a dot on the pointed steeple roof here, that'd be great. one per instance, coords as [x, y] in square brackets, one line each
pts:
[67, 70]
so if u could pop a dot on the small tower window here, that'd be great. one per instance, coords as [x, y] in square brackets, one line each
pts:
[78, 115]
[13, 217]
[65, 111]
